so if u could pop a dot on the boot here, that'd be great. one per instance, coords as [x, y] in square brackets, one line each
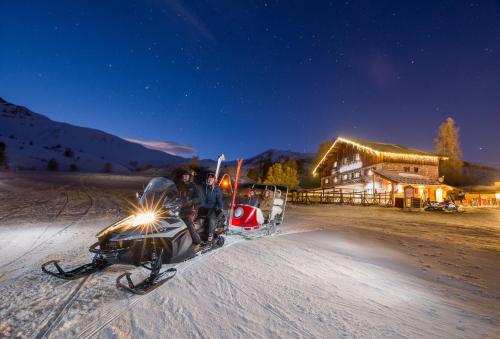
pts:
[210, 240]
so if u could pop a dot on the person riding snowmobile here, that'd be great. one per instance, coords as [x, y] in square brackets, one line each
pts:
[212, 204]
[191, 197]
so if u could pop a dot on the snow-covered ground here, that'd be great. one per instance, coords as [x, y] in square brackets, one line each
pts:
[331, 271]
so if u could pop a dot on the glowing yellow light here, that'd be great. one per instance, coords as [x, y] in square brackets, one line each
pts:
[145, 218]
[439, 195]
[388, 155]
[497, 196]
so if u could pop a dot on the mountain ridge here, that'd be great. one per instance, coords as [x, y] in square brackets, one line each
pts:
[33, 139]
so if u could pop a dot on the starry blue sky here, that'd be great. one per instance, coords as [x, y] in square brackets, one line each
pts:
[243, 76]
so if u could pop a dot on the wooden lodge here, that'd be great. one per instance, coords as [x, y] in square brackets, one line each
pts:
[359, 169]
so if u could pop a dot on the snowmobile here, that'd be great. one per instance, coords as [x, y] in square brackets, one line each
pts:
[444, 206]
[151, 236]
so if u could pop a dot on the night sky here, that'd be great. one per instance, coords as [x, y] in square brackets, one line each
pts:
[241, 77]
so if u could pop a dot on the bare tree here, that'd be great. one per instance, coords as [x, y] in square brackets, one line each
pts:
[447, 143]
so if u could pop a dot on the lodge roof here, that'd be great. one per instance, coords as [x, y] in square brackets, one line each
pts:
[383, 147]
[406, 178]
[391, 150]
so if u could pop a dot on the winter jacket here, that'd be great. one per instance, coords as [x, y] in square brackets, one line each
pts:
[212, 197]
[266, 204]
[253, 201]
[190, 193]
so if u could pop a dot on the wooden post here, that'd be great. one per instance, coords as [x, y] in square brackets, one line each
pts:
[235, 189]
[393, 196]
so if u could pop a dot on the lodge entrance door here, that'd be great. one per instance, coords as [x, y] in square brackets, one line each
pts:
[409, 193]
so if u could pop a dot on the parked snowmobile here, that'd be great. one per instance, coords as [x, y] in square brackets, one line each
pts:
[444, 206]
[152, 236]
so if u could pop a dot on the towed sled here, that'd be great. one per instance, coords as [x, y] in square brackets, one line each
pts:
[251, 219]
[152, 236]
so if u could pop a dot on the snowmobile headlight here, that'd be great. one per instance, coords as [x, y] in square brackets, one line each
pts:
[144, 218]
[238, 212]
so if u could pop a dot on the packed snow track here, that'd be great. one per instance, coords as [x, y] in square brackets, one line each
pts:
[331, 271]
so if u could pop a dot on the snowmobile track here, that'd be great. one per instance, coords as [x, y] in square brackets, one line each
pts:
[80, 217]
[91, 330]
[26, 205]
[52, 323]
[53, 218]
[306, 333]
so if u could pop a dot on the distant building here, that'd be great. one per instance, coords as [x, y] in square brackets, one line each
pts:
[409, 175]
[481, 195]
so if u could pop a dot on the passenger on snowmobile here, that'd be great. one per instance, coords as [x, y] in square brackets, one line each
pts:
[266, 204]
[252, 198]
[212, 204]
[191, 198]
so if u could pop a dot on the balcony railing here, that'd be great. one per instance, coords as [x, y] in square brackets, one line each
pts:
[322, 196]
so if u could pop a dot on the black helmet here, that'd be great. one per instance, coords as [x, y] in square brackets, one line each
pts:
[209, 175]
[184, 171]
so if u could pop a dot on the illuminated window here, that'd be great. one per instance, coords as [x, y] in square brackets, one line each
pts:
[344, 161]
[344, 177]
[327, 181]
[335, 179]
[439, 195]
[357, 174]
[357, 157]
[335, 164]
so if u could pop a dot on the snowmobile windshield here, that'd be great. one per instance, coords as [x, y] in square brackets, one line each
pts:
[159, 189]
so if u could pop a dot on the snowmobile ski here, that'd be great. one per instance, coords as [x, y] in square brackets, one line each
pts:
[155, 279]
[148, 284]
[97, 264]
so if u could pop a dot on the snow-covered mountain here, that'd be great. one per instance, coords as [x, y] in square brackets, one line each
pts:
[275, 155]
[33, 139]
[272, 155]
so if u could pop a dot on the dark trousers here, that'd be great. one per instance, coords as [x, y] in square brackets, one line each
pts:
[189, 216]
[211, 222]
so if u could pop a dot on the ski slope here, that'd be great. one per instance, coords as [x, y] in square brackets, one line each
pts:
[331, 271]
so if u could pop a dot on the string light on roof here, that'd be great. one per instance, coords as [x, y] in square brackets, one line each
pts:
[385, 155]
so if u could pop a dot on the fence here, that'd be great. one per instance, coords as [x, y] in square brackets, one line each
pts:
[341, 198]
